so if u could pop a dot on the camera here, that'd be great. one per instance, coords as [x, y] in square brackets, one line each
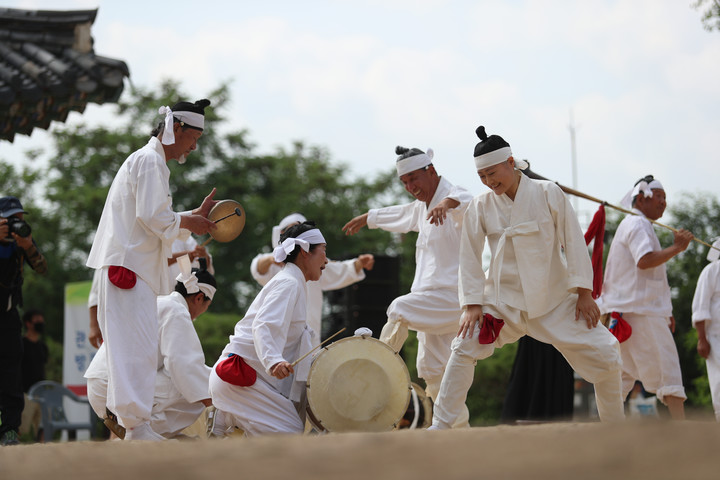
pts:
[18, 226]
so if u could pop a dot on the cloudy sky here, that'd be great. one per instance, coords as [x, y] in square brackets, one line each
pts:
[640, 79]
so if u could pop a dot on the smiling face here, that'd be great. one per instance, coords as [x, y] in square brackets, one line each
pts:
[421, 183]
[652, 207]
[501, 178]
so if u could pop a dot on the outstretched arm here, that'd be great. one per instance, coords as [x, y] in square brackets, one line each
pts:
[353, 226]
[439, 213]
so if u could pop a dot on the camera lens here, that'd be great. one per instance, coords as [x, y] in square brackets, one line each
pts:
[19, 227]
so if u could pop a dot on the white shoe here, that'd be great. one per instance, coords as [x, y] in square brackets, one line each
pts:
[143, 432]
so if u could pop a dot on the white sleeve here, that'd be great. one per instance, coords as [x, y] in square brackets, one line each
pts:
[93, 296]
[272, 322]
[398, 218]
[471, 277]
[704, 291]
[461, 195]
[153, 204]
[263, 278]
[571, 237]
[339, 275]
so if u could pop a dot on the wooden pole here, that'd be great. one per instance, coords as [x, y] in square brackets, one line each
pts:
[577, 193]
[315, 348]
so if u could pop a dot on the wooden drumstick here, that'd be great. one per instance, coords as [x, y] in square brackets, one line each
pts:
[315, 348]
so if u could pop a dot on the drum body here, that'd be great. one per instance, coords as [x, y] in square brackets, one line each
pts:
[357, 384]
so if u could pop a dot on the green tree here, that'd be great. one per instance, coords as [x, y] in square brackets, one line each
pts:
[710, 14]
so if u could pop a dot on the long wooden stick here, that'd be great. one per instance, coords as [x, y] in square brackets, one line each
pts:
[577, 193]
[318, 346]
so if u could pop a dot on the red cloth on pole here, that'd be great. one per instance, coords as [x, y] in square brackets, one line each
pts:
[596, 231]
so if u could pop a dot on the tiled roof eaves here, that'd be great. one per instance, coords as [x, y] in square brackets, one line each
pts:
[43, 77]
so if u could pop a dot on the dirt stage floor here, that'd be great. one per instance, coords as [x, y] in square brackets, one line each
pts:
[649, 449]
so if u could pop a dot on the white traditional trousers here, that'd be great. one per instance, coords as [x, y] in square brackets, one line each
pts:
[257, 410]
[593, 353]
[128, 322]
[650, 355]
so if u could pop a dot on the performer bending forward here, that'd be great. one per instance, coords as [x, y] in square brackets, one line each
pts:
[540, 282]
[254, 384]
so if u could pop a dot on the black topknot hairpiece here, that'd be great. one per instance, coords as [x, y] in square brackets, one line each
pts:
[202, 103]
[405, 152]
[487, 143]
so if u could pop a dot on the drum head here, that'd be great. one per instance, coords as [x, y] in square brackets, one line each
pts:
[358, 384]
[229, 228]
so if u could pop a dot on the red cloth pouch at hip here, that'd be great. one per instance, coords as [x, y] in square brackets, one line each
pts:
[490, 329]
[619, 327]
[121, 277]
[235, 371]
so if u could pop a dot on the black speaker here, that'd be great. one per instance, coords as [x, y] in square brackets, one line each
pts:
[363, 304]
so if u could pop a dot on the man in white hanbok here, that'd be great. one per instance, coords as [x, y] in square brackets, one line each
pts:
[539, 283]
[431, 308]
[706, 320]
[132, 245]
[336, 275]
[254, 384]
[181, 385]
[636, 286]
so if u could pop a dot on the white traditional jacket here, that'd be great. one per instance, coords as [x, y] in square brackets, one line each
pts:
[274, 329]
[138, 226]
[436, 249]
[538, 251]
[335, 276]
[627, 288]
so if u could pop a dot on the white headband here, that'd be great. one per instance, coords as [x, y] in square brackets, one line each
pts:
[305, 239]
[188, 278]
[714, 253]
[277, 229]
[168, 136]
[498, 156]
[642, 186]
[416, 162]
[190, 118]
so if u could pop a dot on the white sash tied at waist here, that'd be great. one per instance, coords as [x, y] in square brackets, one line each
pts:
[525, 228]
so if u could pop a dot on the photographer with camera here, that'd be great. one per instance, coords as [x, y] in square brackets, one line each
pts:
[17, 247]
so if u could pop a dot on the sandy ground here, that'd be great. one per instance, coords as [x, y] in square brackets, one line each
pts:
[648, 449]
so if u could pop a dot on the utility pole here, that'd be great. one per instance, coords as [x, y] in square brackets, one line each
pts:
[573, 158]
